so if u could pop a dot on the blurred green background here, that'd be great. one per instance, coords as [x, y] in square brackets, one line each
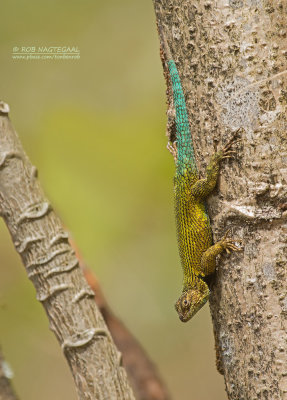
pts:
[95, 128]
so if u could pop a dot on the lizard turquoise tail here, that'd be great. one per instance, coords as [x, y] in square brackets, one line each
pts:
[185, 163]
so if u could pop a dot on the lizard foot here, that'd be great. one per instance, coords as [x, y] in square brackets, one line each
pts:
[172, 148]
[226, 151]
[229, 244]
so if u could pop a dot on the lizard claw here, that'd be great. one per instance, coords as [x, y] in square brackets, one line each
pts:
[172, 148]
[231, 143]
[229, 244]
[226, 152]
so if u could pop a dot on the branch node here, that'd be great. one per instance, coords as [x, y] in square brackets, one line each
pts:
[85, 292]
[34, 211]
[59, 237]
[84, 338]
[4, 107]
[48, 258]
[59, 269]
[21, 247]
[43, 296]
[8, 155]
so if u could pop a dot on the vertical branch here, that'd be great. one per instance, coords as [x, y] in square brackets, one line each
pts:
[50, 262]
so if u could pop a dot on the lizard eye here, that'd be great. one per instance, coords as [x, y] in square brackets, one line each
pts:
[185, 302]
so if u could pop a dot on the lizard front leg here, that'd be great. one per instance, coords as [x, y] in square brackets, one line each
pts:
[208, 259]
[203, 187]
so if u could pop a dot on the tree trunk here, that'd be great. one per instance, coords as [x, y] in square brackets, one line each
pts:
[54, 270]
[232, 60]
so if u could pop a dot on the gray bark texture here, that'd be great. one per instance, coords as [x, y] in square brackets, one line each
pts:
[6, 389]
[232, 59]
[53, 268]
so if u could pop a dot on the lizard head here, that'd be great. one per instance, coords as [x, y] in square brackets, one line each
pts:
[191, 300]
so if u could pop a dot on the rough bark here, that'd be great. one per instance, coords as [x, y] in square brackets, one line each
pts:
[54, 270]
[143, 374]
[6, 389]
[232, 56]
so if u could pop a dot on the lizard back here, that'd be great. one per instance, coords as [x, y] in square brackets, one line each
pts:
[192, 222]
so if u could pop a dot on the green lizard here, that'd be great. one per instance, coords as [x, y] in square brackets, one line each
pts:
[196, 249]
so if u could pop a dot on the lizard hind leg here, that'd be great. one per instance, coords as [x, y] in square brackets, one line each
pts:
[208, 259]
[172, 148]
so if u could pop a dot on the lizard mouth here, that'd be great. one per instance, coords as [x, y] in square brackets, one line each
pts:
[183, 318]
[187, 315]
